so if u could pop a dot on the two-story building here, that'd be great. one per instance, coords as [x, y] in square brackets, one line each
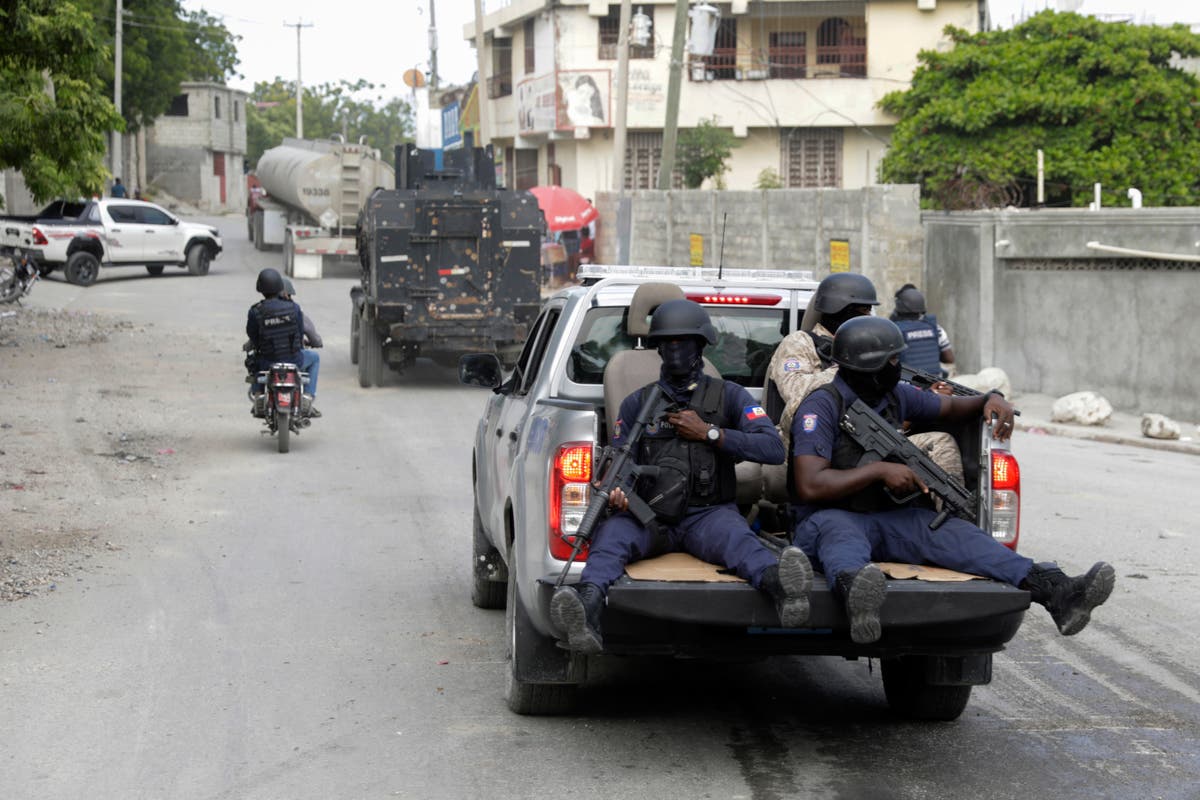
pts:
[196, 151]
[796, 81]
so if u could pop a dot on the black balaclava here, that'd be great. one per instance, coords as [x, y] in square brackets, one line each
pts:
[683, 361]
[834, 321]
[872, 386]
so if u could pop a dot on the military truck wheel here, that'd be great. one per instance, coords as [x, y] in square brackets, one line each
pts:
[910, 694]
[487, 570]
[370, 354]
[355, 325]
[526, 648]
[82, 268]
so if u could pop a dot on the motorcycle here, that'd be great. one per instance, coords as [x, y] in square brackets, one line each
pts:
[18, 274]
[282, 404]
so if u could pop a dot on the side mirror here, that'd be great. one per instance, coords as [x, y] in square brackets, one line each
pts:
[480, 369]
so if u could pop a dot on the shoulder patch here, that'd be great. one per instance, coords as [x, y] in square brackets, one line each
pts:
[791, 365]
[754, 412]
[810, 423]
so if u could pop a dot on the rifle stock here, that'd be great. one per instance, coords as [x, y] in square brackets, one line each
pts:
[616, 468]
[877, 437]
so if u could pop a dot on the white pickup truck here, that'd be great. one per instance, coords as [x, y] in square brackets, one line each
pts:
[81, 236]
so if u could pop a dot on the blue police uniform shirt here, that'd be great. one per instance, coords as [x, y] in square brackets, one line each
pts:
[754, 438]
[816, 426]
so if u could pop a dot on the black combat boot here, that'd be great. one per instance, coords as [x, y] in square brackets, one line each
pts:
[1069, 600]
[863, 593]
[789, 583]
[575, 610]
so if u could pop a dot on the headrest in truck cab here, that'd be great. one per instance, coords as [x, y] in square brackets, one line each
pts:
[648, 297]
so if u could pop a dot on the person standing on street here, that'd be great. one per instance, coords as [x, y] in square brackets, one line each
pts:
[717, 424]
[118, 188]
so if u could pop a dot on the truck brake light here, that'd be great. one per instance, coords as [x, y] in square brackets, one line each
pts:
[39, 237]
[736, 299]
[570, 492]
[1006, 498]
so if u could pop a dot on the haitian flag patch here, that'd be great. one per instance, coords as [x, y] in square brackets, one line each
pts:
[754, 412]
[810, 423]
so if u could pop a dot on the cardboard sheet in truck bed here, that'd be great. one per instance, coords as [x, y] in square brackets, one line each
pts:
[685, 567]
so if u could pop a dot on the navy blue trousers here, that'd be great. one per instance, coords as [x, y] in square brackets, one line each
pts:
[717, 534]
[843, 541]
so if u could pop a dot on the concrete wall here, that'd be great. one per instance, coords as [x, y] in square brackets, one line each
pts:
[1023, 291]
[777, 228]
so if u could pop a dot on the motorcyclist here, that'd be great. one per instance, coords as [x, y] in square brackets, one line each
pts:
[275, 325]
[311, 359]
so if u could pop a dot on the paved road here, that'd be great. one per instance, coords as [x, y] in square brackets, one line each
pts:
[300, 627]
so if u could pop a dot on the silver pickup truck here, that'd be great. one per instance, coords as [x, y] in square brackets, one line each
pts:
[541, 430]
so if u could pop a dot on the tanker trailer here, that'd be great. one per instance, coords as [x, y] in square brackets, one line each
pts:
[313, 193]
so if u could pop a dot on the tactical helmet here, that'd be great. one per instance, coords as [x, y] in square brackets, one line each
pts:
[864, 344]
[270, 282]
[676, 318]
[909, 300]
[288, 288]
[843, 289]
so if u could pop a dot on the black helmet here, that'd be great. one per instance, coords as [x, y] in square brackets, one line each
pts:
[270, 282]
[288, 288]
[676, 318]
[843, 289]
[864, 344]
[909, 300]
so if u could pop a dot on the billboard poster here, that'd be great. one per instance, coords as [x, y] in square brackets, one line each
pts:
[535, 104]
[584, 99]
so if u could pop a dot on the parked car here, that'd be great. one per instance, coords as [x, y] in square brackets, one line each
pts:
[80, 237]
[534, 446]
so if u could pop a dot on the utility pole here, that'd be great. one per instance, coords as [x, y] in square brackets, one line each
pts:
[624, 219]
[433, 76]
[299, 86]
[118, 153]
[480, 77]
[674, 81]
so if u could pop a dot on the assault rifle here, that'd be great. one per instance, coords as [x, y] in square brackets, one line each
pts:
[924, 380]
[880, 440]
[616, 468]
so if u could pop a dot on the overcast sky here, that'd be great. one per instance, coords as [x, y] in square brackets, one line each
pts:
[379, 39]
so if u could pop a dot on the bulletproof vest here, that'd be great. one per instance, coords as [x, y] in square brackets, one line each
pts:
[921, 336]
[848, 454]
[280, 331]
[692, 474]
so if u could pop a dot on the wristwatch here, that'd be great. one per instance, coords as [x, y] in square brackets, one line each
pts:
[714, 434]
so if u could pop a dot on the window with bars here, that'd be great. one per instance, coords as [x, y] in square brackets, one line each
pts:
[643, 158]
[812, 158]
[722, 64]
[526, 172]
[530, 53]
[787, 54]
[500, 83]
[842, 48]
[610, 35]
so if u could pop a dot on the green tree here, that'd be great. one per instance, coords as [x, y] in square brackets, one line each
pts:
[1102, 100]
[768, 178]
[162, 47]
[53, 114]
[353, 110]
[703, 151]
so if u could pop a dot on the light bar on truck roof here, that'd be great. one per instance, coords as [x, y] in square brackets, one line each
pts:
[700, 274]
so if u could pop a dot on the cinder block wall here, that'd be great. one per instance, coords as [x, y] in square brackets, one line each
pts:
[776, 228]
[1024, 291]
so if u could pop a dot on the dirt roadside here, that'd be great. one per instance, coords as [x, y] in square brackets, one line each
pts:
[89, 450]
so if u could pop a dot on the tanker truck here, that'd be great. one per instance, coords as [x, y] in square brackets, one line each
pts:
[450, 264]
[311, 193]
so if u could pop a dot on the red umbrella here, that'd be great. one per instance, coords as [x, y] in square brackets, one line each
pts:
[565, 209]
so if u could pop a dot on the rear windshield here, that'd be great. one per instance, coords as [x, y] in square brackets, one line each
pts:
[746, 339]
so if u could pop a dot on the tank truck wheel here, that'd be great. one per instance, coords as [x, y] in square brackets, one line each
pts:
[289, 254]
